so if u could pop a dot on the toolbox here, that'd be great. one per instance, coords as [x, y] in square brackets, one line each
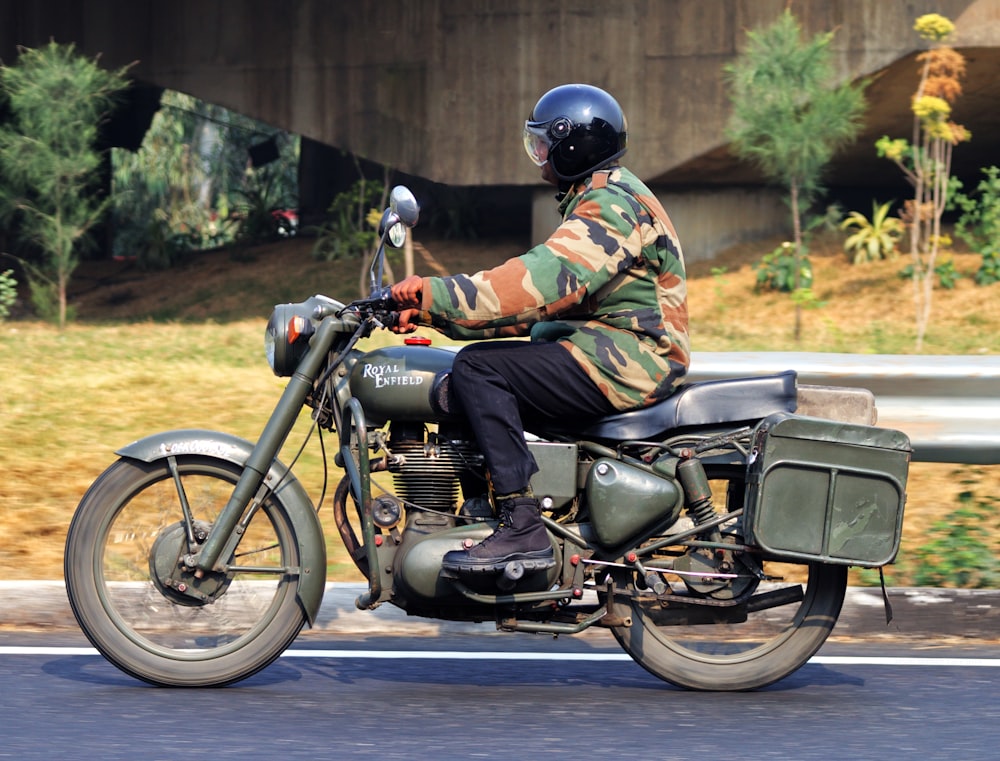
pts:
[826, 491]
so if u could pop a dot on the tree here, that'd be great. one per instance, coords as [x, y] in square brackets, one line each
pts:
[789, 117]
[926, 162]
[49, 162]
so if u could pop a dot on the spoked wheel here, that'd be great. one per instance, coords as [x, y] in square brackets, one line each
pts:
[719, 645]
[145, 611]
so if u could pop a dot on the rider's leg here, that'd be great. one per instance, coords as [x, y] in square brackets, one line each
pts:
[502, 387]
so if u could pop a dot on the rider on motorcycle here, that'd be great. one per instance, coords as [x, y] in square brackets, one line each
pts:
[604, 301]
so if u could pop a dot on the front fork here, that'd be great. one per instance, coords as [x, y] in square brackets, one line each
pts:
[224, 537]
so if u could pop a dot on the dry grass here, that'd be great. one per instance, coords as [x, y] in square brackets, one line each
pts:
[864, 309]
[70, 399]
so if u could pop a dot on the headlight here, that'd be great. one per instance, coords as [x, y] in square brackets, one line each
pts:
[286, 338]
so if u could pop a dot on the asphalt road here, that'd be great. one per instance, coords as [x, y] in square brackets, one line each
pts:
[499, 697]
[380, 684]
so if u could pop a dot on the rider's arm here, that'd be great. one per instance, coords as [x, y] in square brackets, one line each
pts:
[597, 241]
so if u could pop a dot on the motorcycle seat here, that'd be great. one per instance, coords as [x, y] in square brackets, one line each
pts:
[702, 403]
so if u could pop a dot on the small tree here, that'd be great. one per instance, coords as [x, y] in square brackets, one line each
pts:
[789, 117]
[926, 161]
[56, 100]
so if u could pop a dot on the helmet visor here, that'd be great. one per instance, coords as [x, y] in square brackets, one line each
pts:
[536, 143]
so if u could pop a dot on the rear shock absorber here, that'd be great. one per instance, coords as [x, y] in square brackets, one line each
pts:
[697, 491]
[698, 502]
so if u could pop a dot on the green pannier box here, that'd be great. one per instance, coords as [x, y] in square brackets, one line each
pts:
[827, 491]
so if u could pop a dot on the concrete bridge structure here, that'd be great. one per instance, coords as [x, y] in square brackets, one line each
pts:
[440, 88]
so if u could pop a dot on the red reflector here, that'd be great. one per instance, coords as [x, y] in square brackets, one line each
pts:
[417, 341]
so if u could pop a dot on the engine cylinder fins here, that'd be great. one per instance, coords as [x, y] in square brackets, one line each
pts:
[428, 473]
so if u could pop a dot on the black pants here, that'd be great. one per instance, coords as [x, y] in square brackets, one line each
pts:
[507, 387]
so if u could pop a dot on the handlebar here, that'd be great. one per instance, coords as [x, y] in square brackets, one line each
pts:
[380, 306]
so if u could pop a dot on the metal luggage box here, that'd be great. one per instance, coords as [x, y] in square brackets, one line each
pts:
[827, 491]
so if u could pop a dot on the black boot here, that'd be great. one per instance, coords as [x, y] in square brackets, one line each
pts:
[520, 536]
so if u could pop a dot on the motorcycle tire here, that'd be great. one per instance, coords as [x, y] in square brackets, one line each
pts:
[133, 600]
[742, 655]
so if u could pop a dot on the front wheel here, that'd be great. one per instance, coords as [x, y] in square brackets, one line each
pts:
[150, 616]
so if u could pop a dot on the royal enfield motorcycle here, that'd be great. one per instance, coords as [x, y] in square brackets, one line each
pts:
[711, 533]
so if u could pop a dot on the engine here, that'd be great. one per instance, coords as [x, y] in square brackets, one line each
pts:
[435, 469]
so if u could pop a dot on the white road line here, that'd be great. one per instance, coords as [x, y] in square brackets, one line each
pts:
[838, 660]
[454, 655]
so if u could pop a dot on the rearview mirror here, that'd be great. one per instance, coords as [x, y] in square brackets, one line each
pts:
[404, 205]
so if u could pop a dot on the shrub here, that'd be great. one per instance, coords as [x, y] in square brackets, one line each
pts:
[8, 293]
[776, 270]
[347, 231]
[876, 238]
[959, 550]
[979, 224]
[264, 194]
[946, 273]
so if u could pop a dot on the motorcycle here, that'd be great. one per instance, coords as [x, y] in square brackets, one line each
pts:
[711, 532]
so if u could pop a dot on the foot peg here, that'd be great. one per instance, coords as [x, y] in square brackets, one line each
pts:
[514, 571]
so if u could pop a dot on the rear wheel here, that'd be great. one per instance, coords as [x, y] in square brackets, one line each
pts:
[149, 615]
[719, 641]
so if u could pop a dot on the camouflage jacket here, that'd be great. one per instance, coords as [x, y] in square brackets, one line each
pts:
[608, 285]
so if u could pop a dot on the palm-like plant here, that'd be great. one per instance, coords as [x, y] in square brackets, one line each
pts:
[876, 238]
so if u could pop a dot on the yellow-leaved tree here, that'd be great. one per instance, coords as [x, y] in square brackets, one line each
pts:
[926, 161]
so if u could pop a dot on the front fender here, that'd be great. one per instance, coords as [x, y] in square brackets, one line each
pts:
[233, 449]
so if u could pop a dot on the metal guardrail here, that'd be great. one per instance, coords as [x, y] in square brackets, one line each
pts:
[948, 406]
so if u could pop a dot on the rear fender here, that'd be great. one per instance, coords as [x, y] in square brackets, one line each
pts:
[224, 446]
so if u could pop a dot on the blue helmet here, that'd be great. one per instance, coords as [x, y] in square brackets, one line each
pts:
[577, 129]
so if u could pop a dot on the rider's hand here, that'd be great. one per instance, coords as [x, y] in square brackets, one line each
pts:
[408, 292]
[407, 321]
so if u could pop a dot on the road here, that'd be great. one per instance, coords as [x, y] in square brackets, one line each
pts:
[498, 697]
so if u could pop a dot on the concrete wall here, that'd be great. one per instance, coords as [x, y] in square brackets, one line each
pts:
[440, 88]
[707, 220]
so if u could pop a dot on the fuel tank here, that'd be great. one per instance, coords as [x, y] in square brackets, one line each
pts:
[404, 383]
